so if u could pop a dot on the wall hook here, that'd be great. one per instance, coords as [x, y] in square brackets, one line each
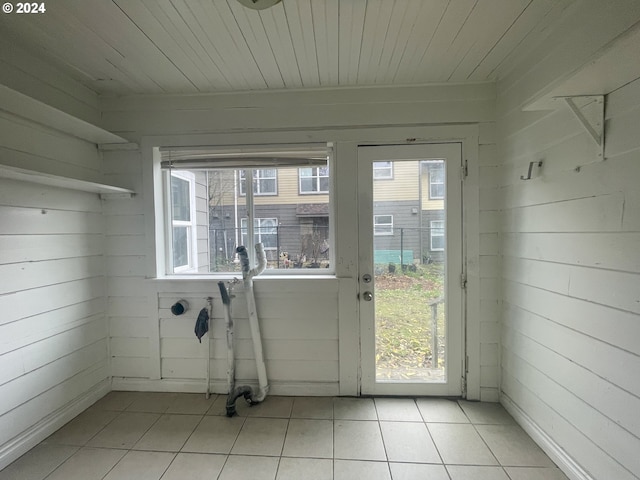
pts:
[530, 171]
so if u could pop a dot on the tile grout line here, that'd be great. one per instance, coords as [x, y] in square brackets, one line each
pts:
[384, 444]
[284, 440]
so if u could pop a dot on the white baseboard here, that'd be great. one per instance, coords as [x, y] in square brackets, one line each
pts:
[555, 452]
[310, 389]
[18, 446]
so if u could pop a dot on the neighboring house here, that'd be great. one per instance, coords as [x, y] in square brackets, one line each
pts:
[409, 212]
[189, 236]
[292, 215]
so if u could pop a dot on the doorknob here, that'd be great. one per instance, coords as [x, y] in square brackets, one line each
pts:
[368, 296]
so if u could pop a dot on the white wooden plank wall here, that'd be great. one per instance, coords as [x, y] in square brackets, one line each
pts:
[299, 326]
[133, 117]
[125, 249]
[21, 71]
[53, 334]
[130, 304]
[132, 301]
[571, 276]
[489, 266]
[31, 146]
[298, 319]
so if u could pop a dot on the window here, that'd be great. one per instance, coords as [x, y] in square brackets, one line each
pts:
[265, 231]
[383, 224]
[436, 180]
[207, 214]
[382, 170]
[182, 221]
[314, 180]
[437, 235]
[265, 182]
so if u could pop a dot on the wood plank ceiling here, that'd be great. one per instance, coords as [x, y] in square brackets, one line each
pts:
[120, 47]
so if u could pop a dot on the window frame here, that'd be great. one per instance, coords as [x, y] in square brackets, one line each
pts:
[317, 181]
[191, 224]
[432, 236]
[165, 158]
[377, 224]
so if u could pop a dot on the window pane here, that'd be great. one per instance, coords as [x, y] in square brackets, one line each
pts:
[180, 199]
[383, 224]
[180, 246]
[436, 181]
[314, 180]
[267, 186]
[266, 232]
[437, 235]
[382, 170]
[293, 224]
[307, 184]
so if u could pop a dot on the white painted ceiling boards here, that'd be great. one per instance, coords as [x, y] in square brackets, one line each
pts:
[123, 47]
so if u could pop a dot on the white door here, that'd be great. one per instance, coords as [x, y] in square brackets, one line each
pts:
[410, 265]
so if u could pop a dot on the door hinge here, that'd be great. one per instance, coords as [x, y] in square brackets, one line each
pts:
[463, 281]
[465, 169]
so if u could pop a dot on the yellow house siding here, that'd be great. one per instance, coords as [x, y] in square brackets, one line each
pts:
[403, 185]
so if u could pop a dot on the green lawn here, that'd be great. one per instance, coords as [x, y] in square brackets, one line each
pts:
[403, 320]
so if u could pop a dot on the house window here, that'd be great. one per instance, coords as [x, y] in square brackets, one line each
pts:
[437, 235]
[183, 221]
[436, 180]
[208, 209]
[265, 181]
[382, 170]
[383, 224]
[265, 231]
[314, 180]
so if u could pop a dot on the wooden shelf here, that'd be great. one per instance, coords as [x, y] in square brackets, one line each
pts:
[36, 111]
[105, 191]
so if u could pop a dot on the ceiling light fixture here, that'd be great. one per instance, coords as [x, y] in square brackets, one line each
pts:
[259, 4]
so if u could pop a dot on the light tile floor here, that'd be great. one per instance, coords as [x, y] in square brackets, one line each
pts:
[153, 436]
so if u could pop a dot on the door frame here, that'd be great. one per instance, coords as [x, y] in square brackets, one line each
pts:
[454, 267]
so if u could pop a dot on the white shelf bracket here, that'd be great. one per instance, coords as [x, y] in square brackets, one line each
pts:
[589, 110]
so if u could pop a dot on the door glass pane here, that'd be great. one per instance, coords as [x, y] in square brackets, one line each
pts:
[409, 266]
